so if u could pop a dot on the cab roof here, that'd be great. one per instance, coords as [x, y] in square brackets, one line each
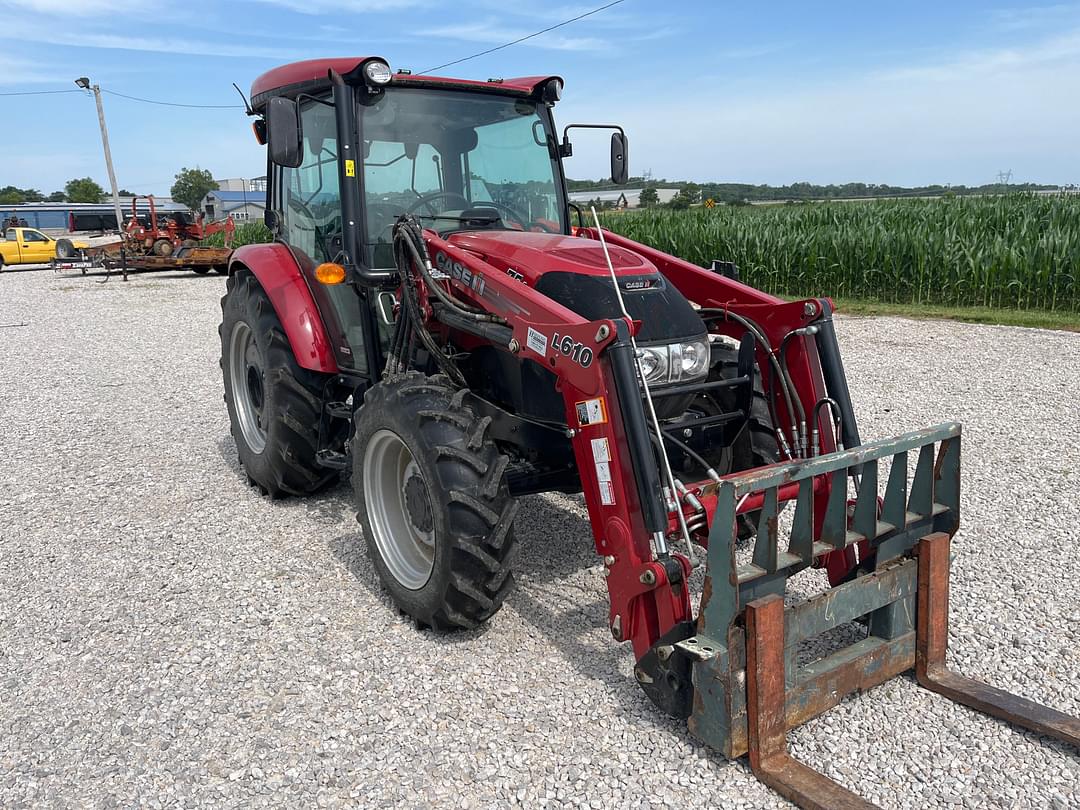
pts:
[312, 75]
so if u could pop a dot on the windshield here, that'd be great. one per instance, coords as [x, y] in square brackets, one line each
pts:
[457, 160]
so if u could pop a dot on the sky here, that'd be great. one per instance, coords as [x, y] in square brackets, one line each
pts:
[909, 93]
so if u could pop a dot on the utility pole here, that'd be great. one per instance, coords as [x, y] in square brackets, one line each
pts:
[84, 83]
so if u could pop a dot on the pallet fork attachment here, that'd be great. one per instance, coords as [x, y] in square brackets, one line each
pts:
[749, 686]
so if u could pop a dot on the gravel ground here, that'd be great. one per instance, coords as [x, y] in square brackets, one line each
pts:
[168, 637]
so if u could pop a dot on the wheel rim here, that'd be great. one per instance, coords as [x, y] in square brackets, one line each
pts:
[246, 381]
[395, 497]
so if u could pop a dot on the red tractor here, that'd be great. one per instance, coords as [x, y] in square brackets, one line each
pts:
[163, 235]
[431, 317]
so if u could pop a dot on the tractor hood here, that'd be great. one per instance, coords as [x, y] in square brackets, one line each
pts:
[532, 255]
[573, 271]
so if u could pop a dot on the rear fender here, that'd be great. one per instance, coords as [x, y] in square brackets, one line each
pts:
[279, 274]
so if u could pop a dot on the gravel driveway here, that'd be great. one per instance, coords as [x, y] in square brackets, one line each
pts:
[168, 637]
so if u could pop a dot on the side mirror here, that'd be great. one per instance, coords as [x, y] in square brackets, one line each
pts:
[620, 170]
[283, 126]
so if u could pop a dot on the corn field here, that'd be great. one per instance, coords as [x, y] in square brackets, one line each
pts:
[247, 233]
[1019, 251]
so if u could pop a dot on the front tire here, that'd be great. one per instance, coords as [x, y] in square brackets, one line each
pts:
[435, 510]
[274, 404]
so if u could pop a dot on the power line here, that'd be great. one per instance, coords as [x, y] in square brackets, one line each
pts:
[522, 39]
[40, 92]
[172, 103]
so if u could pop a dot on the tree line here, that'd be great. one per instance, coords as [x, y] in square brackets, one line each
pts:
[189, 189]
[691, 193]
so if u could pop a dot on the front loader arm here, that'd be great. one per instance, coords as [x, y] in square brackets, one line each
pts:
[631, 517]
[647, 595]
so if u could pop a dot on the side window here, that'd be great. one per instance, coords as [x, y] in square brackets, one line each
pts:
[34, 236]
[310, 197]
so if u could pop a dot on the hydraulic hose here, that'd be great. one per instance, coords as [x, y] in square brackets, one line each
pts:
[759, 336]
[409, 233]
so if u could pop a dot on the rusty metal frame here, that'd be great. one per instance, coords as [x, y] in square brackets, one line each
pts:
[749, 686]
[933, 639]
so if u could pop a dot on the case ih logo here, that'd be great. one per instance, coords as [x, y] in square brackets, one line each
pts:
[640, 284]
[459, 272]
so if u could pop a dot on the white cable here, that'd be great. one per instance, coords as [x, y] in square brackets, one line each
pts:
[674, 497]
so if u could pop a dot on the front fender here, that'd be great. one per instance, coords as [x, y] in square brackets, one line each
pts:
[276, 269]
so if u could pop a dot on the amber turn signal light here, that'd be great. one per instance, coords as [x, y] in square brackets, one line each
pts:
[330, 273]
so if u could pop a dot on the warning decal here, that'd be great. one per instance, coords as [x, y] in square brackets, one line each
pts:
[350, 168]
[607, 493]
[591, 412]
[600, 450]
[537, 341]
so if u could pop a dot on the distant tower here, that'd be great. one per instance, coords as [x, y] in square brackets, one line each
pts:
[1005, 177]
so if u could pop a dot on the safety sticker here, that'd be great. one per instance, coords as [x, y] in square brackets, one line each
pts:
[600, 450]
[537, 341]
[607, 493]
[350, 168]
[591, 412]
[603, 472]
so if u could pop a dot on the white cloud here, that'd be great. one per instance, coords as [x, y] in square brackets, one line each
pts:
[342, 6]
[17, 73]
[63, 35]
[1061, 48]
[82, 8]
[959, 120]
[1031, 17]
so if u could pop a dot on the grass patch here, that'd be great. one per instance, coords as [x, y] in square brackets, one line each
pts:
[1034, 318]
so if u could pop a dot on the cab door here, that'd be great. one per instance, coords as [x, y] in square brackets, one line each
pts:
[36, 247]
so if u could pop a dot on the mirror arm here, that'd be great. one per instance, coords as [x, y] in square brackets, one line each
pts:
[567, 149]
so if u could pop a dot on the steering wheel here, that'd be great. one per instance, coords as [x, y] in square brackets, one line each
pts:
[428, 199]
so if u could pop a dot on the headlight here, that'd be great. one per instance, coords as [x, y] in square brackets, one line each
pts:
[675, 362]
[654, 364]
[695, 359]
[377, 72]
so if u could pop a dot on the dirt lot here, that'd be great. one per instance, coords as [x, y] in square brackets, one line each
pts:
[170, 638]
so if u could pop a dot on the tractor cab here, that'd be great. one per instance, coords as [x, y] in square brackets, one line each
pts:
[354, 147]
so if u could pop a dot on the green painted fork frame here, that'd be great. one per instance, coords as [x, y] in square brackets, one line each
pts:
[750, 688]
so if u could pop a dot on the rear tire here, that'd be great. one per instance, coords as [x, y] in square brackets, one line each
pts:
[434, 507]
[163, 248]
[274, 404]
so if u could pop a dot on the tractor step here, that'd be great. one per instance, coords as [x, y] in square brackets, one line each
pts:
[750, 687]
[339, 410]
[332, 459]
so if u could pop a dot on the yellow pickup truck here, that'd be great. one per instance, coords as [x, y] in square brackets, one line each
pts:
[31, 246]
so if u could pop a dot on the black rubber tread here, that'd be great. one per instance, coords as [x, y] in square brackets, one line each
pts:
[294, 404]
[756, 445]
[472, 507]
[64, 249]
[202, 271]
